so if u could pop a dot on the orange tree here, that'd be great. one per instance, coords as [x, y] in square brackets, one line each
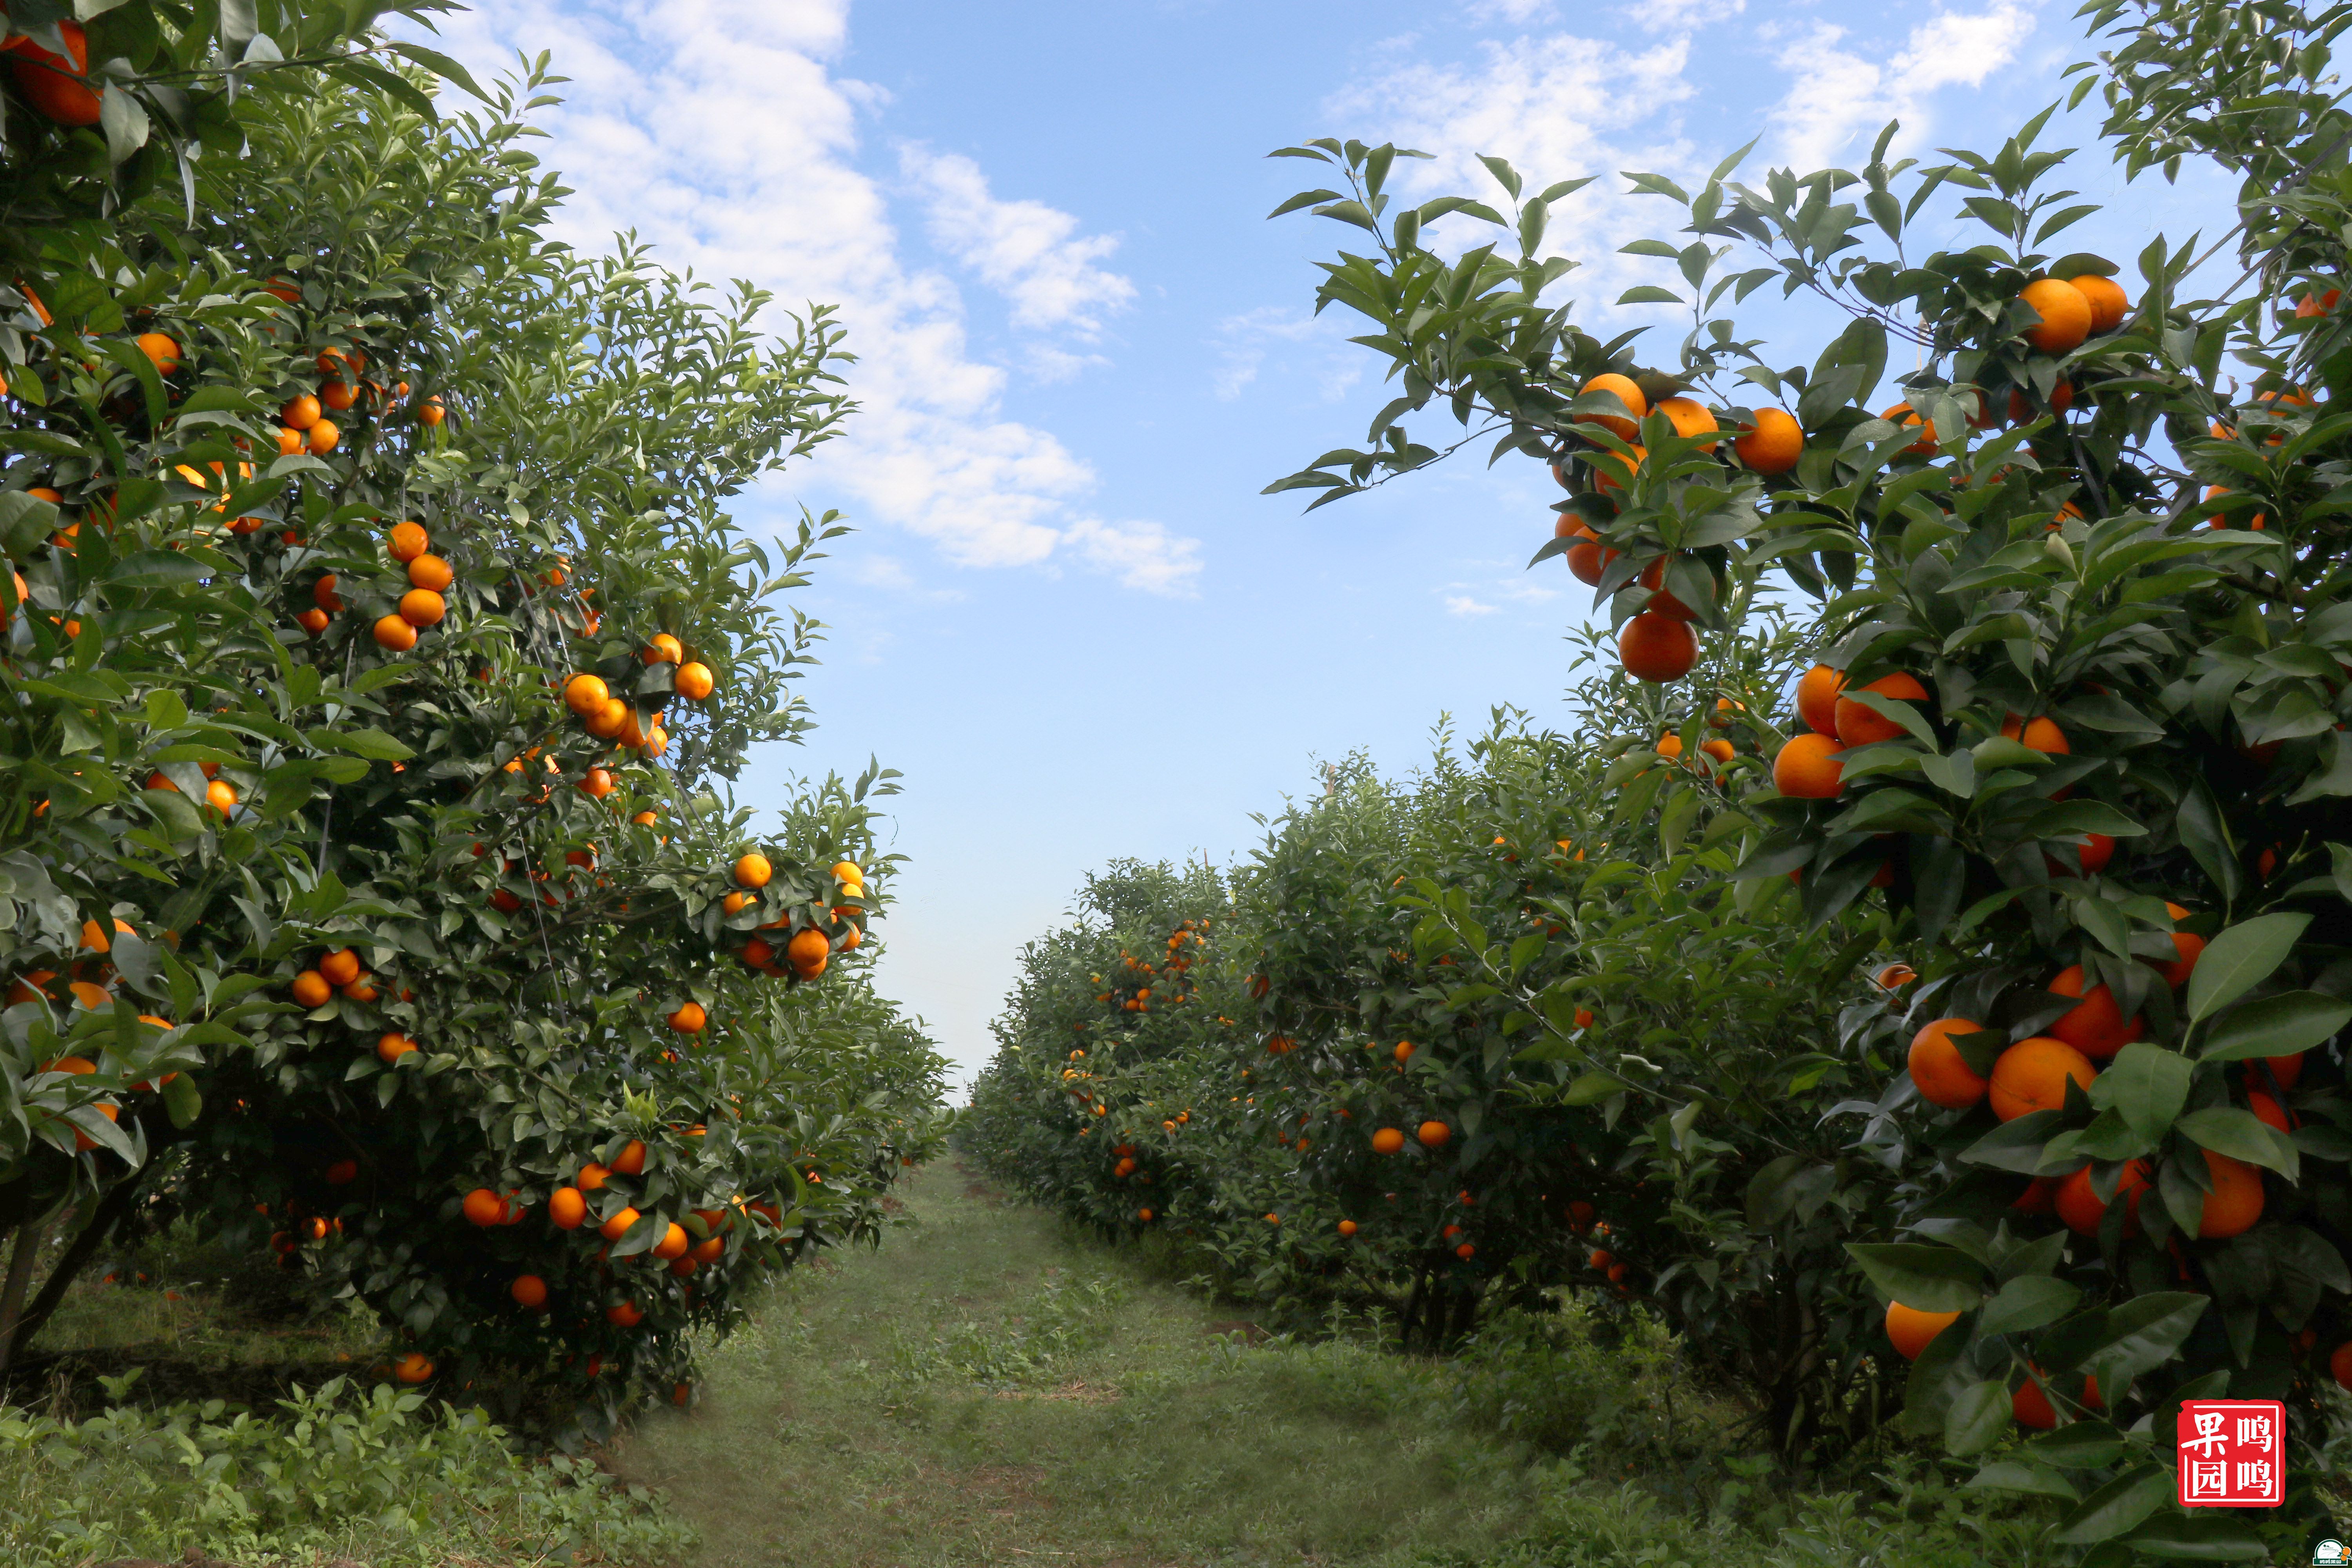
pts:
[378, 643]
[2074, 729]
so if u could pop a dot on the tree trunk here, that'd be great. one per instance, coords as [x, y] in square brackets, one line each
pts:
[29, 1236]
[110, 1210]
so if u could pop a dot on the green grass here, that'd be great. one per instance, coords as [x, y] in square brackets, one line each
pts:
[989, 1389]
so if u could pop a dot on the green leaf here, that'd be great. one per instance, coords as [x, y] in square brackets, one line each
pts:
[182, 1102]
[2242, 1135]
[372, 744]
[2274, 1025]
[2146, 1086]
[1649, 294]
[2241, 958]
[2143, 1335]
[1591, 1089]
[2205, 1536]
[2019, 1476]
[1928, 1278]
[1978, 1417]
[440, 64]
[2088, 1445]
[2030, 1301]
[2115, 1506]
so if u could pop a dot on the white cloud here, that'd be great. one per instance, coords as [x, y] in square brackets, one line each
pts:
[1842, 96]
[1243, 340]
[890, 574]
[1462, 605]
[1517, 12]
[657, 90]
[1024, 249]
[1140, 554]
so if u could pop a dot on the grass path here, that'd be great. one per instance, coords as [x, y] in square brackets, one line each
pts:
[988, 1389]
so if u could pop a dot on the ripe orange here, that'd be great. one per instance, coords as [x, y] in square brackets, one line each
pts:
[2065, 315]
[2267, 1110]
[1806, 767]
[313, 621]
[2236, 1201]
[627, 1315]
[1860, 726]
[1587, 557]
[484, 1207]
[694, 682]
[689, 1019]
[323, 437]
[412, 1368]
[529, 1290]
[585, 694]
[1773, 444]
[2080, 1208]
[423, 607]
[1388, 1141]
[221, 796]
[1817, 695]
[2187, 944]
[597, 783]
[1939, 1072]
[431, 572]
[1689, 416]
[752, 871]
[2109, 304]
[2042, 735]
[1911, 1329]
[1607, 466]
[1903, 413]
[2095, 1026]
[1654, 577]
[391, 1047]
[1434, 1135]
[673, 1244]
[608, 720]
[407, 541]
[617, 1226]
[592, 1177]
[1347, 1227]
[1657, 649]
[631, 1160]
[1670, 746]
[2032, 1408]
[566, 1208]
[2286, 1069]
[2340, 1365]
[395, 633]
[1722, 750]
[2032, 1074]
[338, 395]
[2021, 408]
[431, 411]
[162, 352]
[340, 967]
[1628, 392]
[55, 85]
[807, 952]
[312, 990]
[663, 649]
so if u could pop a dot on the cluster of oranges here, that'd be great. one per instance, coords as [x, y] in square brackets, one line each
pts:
[341, 973]
[609, 717]
[89, 986]
[808, 949]
[1134, 993]
[57, 85]
[304, 424]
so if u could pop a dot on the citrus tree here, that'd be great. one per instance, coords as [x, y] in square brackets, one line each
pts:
[379, 642]
[2073, 732]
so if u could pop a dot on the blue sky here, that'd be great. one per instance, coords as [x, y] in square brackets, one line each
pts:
[1069, 615]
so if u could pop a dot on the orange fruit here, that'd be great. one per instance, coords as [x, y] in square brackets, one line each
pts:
[312, 990]
[807, 952]
[2236, 1201]
[412, 1368]
[1939, 1072]
[752, 871]
[2042, 735]
[395, 633]
[2095, 1024]
[616, 1227]
[54, 83]
[484, 1207]
[2268, 1112]
[592, 1176]
[2065, 315]
[2032, 1408]
[608, 720]
[431, 572]
[2032, 1074]
[1670, 746]
[631, 1160]
[529, 1290]
[1434, 1135]
[323, 437]
[407, 541]
[1606, 467]
[1587, 557]
[1629, 394]
[1689, 416]
[1722, 750]
[689, 1019]
[1806, 767]
[2109, 304]
[342, 1173]
[1773, 444]
[627, 1315]
[1860, 726]
[1911, 1329]
[597, 783]
[2340, 1365]
[663, 649]
[323, 594]
[585, 694]
[673, 1244]
[2080, 1208]
[694, 682]
[423, 607]
[1654, 578]
[221, 796]
[1388, 1141]
[566, 1208]
[1903, 413]
[1817, 695]
[2021, 408]
[313, 621]
[1657, 649]
[2187, 944]
[340, 967]
[2286, 1069]
[161, 350]
[431, 411]
[338, 395]
[391, 1047]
